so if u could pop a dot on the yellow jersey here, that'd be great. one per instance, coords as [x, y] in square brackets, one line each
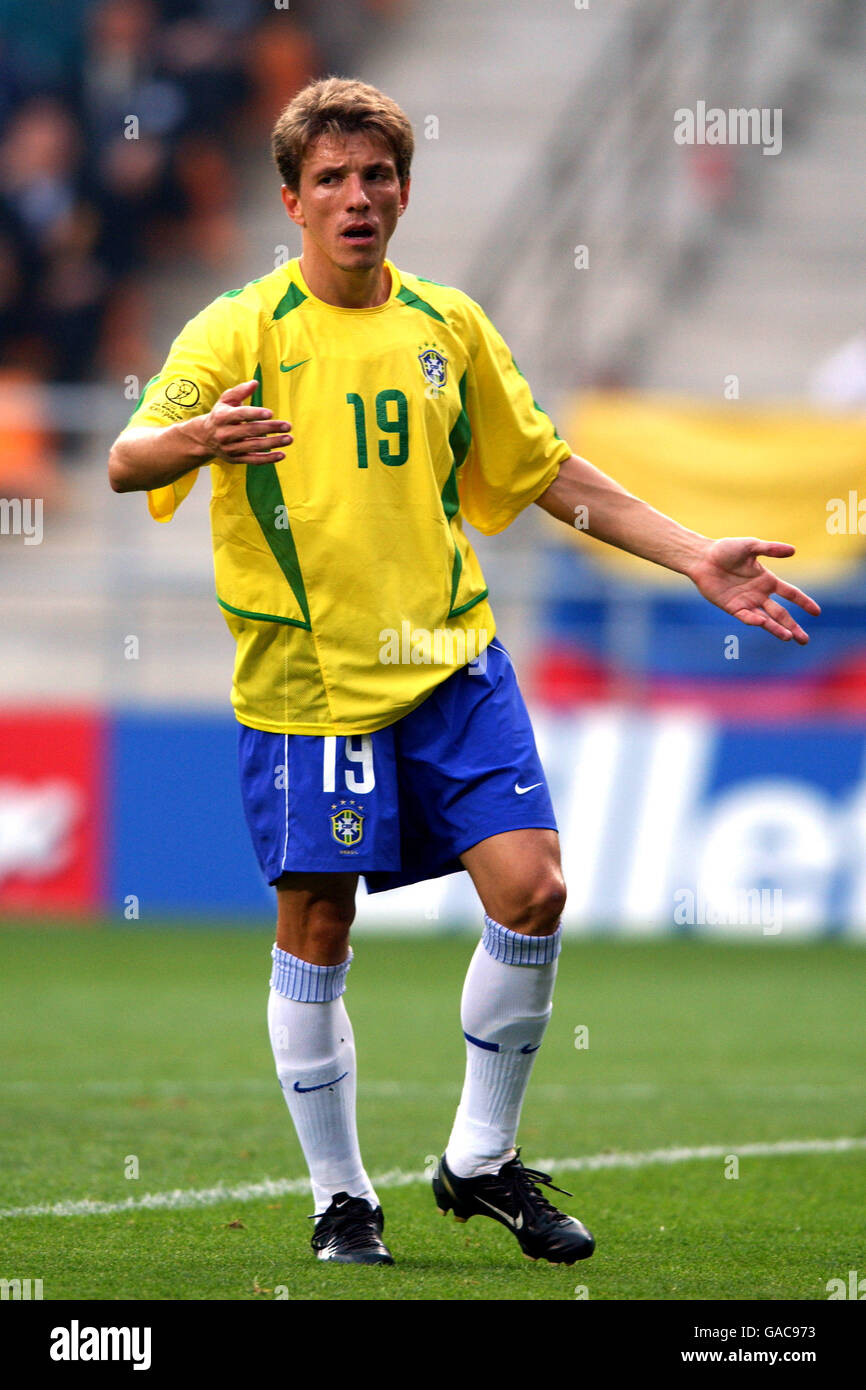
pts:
[343, 571]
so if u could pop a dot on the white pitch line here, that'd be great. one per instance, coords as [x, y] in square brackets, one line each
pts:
[396, 1177]
[379, 1089]
[368, 1090]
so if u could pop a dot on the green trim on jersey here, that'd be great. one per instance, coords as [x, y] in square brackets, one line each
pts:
[290, 300]
[464, 607]
[450, 496]
[461, 431]
[265, 496]
[415, 301]
[556, 433]
[450, 506]
[233, 294]
[143, 394]
[458, 441]
[262, 617]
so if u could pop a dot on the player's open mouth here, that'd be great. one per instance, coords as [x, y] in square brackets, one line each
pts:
[361, 233]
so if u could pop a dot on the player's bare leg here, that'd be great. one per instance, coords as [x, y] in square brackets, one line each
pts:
[314, 1051]
[506, 1005]
[314, 914]
[518, 877]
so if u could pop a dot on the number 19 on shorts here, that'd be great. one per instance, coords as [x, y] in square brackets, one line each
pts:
[359, 750]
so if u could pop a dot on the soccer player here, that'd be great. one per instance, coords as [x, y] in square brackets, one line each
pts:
[352, 414]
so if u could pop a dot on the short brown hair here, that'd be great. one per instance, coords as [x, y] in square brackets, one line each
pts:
[337, 106]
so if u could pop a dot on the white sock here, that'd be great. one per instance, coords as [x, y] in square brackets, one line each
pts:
[313, 1045]
[507, 1001]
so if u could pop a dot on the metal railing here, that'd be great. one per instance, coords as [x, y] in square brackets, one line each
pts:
[608, 179]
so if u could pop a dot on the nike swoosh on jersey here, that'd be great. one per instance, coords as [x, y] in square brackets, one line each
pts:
[521, 790]
[527, 1048]
[515, 1222]
[293, 365]
[303, 1089]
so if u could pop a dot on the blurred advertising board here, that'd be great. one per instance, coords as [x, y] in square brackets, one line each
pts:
[670, 821]
[53, 823]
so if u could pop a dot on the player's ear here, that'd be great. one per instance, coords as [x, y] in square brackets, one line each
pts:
[292, 204]
[404, 194]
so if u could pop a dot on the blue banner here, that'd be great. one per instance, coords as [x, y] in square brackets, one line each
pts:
[669, 822]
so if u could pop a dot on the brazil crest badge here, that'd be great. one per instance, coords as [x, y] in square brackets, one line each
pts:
[433, 365]
[347, 828]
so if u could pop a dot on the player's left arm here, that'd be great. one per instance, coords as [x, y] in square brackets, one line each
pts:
[726, 571]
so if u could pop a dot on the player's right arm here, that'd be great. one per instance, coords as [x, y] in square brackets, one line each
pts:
[144, 457]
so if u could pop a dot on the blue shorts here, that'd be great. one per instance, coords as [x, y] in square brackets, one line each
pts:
[402, 804]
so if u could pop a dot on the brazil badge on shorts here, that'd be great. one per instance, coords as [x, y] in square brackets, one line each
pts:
[347, 825]
[320, 804]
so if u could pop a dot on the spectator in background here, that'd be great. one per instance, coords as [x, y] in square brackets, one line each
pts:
[131, 115]
[51, 234]
[39, 159]
[200, 78]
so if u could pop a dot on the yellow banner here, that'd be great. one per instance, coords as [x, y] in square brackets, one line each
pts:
[780, 473]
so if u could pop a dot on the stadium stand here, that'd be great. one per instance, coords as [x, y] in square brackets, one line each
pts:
[122, 126]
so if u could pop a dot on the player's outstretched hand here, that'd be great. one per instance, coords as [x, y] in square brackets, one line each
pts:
[238, 433]
[729, 575]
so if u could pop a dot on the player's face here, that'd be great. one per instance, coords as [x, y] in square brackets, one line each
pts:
[349, 199]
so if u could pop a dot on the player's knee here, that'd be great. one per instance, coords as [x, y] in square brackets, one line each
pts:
[542, 905]
[327, 923]
[317, 931]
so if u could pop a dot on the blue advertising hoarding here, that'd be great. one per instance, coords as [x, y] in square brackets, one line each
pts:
[669, 821]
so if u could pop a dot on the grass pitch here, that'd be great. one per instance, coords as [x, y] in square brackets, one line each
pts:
[151, 1045]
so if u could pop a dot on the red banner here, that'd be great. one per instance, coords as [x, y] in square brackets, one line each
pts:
[52, 813]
